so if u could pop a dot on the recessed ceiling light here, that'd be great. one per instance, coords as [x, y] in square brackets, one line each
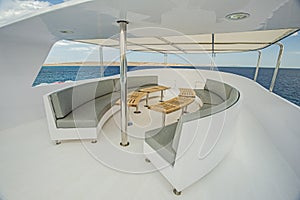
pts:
[237, 16]
[66, 31]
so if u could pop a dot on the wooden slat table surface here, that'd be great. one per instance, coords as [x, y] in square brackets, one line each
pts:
[151, 89]
[172, 105]
[133, 98]
[154, 89]
[187, 92]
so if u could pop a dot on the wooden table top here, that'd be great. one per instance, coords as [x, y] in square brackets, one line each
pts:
[172, 105]
[154, 89]
[187, 92]
[133, 98]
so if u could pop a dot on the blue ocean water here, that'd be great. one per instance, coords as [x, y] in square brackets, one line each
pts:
[287, 84]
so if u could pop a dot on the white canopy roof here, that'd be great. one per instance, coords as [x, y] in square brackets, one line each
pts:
[223, 42]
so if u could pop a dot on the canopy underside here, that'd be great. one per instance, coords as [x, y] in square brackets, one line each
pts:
[218, 42]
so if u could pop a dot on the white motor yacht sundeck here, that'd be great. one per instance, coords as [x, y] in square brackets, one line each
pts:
[162, 133]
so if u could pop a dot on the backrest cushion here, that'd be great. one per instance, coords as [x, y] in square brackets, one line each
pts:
[177, 134]
[234, 96]
[208, 97]
[104, 87]
[60, 102]
[221, 89]
[137, 82]
[66, 100]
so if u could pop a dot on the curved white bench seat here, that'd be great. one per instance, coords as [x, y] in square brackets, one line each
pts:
[161, 140]
[76, 112]
[187, 150]
[90, 113]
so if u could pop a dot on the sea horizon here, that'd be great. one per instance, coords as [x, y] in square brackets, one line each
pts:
[287, 84]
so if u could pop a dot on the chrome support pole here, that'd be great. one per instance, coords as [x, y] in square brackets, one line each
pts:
[213, 54]
[277, 66]
[123, 82]
[147, 100]
[161, 96]
[257, 65]
[101, 61]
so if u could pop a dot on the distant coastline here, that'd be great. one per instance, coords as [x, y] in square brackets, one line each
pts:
[113, 64]
[147, 64]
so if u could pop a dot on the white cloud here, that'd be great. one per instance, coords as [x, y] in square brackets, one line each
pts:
[64, 43]
[82, 48]
[14, 9]
[79, 49]
[295, 34]
[74, 46]
[69, 51]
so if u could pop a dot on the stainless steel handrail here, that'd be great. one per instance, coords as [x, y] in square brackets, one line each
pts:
[213, 54]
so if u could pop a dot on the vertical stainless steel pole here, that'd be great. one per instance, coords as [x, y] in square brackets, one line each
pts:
[277, 66]
[123, 82]
[212, 51]
[101, 61]
[257, 65]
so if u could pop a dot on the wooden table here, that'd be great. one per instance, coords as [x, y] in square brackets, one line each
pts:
[187, 92]
[152, 89]
[172, 105]
[133, 100]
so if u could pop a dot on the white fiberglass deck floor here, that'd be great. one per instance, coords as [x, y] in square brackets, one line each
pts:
[31, 167]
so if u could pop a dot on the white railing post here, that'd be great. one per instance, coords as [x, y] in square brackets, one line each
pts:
[277, 66]
[257, 65]
[165, 59]
[101, 61]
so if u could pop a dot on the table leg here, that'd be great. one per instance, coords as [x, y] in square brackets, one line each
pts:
[161, 96]
[185, 109]
[163, 119]
[137, 111]
[147, 98]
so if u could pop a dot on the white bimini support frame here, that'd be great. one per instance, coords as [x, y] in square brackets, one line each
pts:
[277, 66]
[101, 61]
[165, 59]
[123, 82]
[257, 65]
